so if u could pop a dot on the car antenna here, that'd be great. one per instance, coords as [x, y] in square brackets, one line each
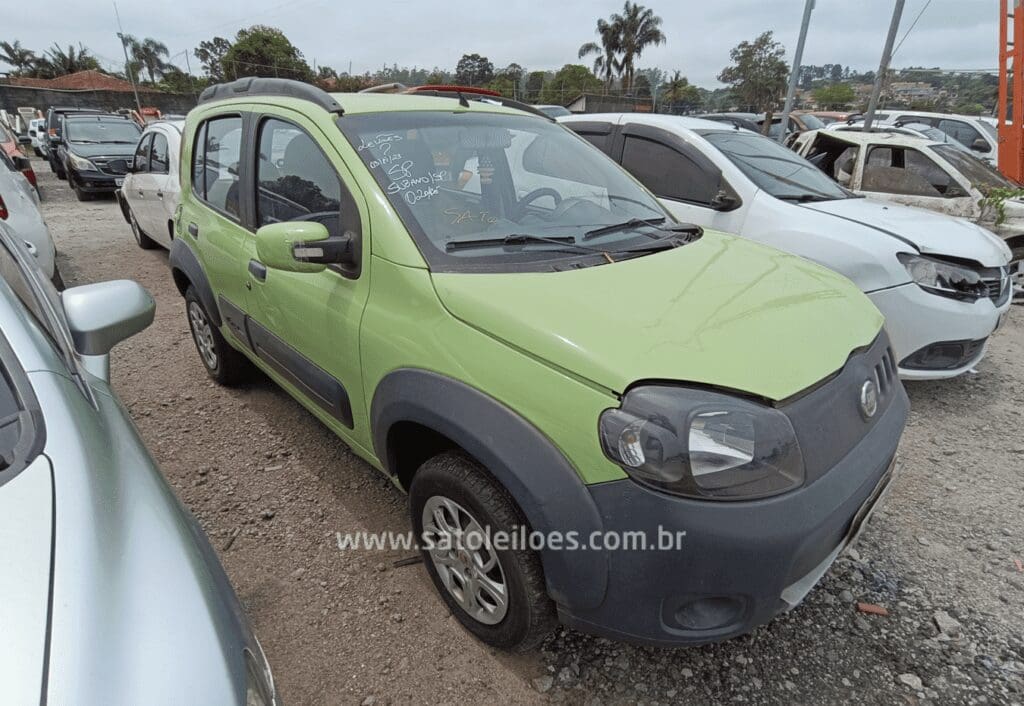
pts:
[462, 100]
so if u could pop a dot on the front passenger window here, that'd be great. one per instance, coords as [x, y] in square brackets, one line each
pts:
[159, 162]
[296, 181]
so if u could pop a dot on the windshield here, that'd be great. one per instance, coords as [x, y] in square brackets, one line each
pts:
[811, 122]
[107, 131]
[462, 178]
[779, 171]
[981, 175]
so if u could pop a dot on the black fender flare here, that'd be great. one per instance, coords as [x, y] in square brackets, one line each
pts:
[537, 475]
[182, 260]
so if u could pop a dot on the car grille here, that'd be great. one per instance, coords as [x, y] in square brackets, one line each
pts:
[998, 287]
[104, 165]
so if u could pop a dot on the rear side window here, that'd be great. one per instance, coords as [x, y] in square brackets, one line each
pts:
[142, 154]
[907, 171]
[215, 162]
[602, 142]
[159, 156]
[666, 172]
[296, 180]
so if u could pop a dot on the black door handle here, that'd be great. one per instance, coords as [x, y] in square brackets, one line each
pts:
[258, 270]
[193, 230]
[159, 194]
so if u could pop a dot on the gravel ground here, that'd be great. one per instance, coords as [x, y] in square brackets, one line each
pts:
[271, 486]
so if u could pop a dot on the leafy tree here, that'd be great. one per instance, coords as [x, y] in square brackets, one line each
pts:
[638, 28]
[264, 51]
[513, 71]
[642, 86]
[679, 95]
[150, 54]
[534, 83]
[606, 60]
[834, 96]
[23, 60]
[474, 70]
[758, 74]
[175, 80]
[210, 54]
[568, 82]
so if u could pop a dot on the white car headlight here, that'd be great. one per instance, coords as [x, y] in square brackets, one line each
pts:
[944, 277]
[81, 163]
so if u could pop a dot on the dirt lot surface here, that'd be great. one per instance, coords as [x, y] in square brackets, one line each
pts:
[942, 557]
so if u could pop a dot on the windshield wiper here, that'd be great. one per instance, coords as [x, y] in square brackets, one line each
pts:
[631, 224]
[517, 239]
[85, 142]
[807, 198]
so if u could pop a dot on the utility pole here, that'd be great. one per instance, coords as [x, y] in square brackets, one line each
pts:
[883, 66]
[127, 64]
[794, 75]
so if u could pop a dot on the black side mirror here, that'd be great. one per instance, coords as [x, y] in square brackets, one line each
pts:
[21, 163]
[725, 200]
[334, 250]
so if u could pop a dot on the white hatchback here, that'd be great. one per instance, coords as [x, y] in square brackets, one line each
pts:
[942, 283]
[150, 193]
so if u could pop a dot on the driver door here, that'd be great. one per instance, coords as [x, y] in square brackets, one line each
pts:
[910, 177]
[305, 326]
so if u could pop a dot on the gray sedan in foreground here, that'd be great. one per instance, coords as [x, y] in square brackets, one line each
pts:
[109, 591]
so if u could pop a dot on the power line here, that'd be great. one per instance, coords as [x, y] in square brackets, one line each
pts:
[911, 27]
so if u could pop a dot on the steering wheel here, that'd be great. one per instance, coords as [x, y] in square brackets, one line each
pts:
[533, 196]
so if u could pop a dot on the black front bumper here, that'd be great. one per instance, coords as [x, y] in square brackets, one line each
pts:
[94, 182]
[741, 563]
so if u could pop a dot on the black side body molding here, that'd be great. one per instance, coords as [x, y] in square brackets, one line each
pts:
[537, 475]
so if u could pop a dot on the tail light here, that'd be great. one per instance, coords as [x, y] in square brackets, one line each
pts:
[3, 209]
[30, 174]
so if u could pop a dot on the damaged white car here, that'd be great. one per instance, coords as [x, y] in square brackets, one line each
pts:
[942, 283]
[918, 172]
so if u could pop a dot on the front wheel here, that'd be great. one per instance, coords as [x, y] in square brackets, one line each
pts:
[222, 362]
[498, 594]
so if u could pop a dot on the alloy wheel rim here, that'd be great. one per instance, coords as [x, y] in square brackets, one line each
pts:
[203, 335]
[467, 565]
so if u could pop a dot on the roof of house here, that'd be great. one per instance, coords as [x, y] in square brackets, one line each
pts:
[82, 80]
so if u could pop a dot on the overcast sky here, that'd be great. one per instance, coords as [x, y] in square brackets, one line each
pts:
[538, 34]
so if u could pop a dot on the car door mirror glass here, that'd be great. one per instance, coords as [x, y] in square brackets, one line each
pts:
[980, 145]
[101, 315]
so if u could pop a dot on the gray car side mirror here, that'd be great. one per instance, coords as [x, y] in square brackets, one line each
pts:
[102, 315]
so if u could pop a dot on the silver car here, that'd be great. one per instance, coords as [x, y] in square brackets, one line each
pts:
[109, 591]
[19, 209]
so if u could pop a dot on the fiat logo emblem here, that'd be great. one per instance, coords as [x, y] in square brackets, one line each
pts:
[868, 399]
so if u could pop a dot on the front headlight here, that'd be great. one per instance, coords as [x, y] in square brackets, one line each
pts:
[702, 444]
[81, 163]
[943, 277]
[259, 683]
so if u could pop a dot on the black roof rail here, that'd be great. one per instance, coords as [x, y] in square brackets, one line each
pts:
[483, 98]
[282, 87]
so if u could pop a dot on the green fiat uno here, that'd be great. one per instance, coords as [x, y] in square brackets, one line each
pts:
[498, 317]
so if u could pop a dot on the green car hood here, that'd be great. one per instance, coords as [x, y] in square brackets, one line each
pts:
[721, 311]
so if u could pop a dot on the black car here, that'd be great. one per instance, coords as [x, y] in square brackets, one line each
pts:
[96, 152]
[54, 117]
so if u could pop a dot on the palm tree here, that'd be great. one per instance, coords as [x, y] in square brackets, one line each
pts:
[23, 60]
[59, 62]
[149, 53]
[637, 28]
[606, 63]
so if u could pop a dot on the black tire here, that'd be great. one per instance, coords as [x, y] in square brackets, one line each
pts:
[223, 363]
[141, 239]
[530, 613]
[57, 280]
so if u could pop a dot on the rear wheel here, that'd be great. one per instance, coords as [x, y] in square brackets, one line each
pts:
[497, 594]
[141, 239]
[222, 362]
